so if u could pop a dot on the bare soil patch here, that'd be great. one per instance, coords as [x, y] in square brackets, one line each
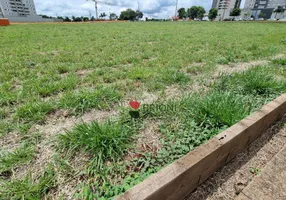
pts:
[84, 72]
[10, 141]
[148, 98]
[149, 138]
[237, 67]
[279, 56]
[270, 184]
[174, 92]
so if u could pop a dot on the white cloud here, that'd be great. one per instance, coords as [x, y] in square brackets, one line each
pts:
[150, 8]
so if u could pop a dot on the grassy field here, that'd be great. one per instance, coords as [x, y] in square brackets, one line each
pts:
[65, 129]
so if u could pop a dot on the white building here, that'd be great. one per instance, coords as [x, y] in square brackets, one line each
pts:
[21, 11]
[18, 8]
[225, 7]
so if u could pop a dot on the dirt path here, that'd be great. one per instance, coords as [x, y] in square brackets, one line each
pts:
[271, 183]
[232, 179]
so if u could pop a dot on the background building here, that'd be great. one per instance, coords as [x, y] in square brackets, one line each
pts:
[21, 11]
[1, 13]
[225, 7]
[18, 8]
[255, 7]
[214, 5]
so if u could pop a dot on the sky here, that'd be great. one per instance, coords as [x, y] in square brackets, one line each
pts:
[150, 8]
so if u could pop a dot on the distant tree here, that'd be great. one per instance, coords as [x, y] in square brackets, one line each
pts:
[128, 14]
[139, 15]
[92, 18]
[235, 12]
[262, 15]
[67, 19]
[192, 12]
[196, 12]
[102, 15]
[113, 16]
[182, 13]
[279, 9]
[46, 16]
[59, 17]
[78, 19]
[247, 14]
[85, 19]
[201, 12]
[147, 19]
[213, 13]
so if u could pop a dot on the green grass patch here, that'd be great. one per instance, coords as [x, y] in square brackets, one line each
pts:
[173, 76]
[33, 112]
[107, 141]
[279, 61]
[8, 96]
[48, 87]
[218, 109]
[101, 98]
[28, 188]
[256, 81]
[5, 127]
[3, 113]
[10, 160]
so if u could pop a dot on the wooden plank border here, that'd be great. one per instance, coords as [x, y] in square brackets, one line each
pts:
[183, 176]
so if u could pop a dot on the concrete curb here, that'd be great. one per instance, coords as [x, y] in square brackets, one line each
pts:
[186, 174]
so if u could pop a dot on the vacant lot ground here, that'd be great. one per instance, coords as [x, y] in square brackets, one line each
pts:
[65, 129]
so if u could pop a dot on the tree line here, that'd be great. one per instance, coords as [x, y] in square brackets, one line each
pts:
[128, 14]
[196, 12]
[192, 13]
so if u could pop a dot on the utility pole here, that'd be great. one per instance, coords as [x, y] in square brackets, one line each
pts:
[176, 11]
[138, 5]
[96, 11]
[96, 3]
[137, 17]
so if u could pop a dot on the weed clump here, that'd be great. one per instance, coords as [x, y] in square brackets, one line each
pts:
[84, 100]
[219, 108]
[256, 81]
[27, 188]
[33, 112]
[279, 62]
[107, 141]
[9, 160]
